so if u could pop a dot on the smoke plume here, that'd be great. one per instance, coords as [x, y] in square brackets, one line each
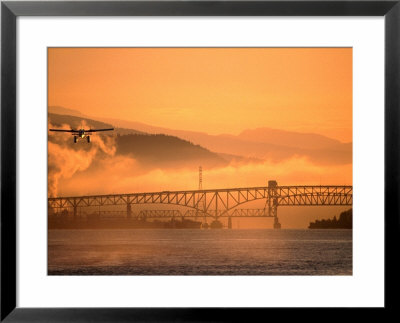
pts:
[66, 158]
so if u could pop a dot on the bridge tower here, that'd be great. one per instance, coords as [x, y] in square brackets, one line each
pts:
[273, 202]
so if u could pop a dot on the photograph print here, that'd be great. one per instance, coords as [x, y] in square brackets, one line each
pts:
[200, 161]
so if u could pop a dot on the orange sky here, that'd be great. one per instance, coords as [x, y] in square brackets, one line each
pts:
[213, 90]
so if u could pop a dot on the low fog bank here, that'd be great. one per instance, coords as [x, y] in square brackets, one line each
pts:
[127, 160]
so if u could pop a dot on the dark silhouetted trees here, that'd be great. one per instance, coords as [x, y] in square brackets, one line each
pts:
[345, 222]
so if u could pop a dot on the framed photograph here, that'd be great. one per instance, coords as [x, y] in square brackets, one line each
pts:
[197, 160]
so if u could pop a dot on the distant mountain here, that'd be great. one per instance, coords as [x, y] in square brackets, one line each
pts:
[62, 110]
[150, 150]
[264, 143]
[261, 143]
[76, 122]
[167, 150]
[289, 138]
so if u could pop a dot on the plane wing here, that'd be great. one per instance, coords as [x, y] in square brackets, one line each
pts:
[63, 130]
[95, 130]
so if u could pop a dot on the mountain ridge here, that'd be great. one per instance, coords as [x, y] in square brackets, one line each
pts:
[260, 143]
[159, 150]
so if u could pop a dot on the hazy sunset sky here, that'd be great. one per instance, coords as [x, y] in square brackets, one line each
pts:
[213, 90]
[210, 90]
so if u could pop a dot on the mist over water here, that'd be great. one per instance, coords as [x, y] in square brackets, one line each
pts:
[200, 252]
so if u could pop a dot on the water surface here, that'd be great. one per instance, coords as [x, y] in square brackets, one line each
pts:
[200, 252]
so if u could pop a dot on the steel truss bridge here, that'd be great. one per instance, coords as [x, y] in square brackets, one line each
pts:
[218, 202]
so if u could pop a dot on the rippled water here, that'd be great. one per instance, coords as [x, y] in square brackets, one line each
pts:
[200, 252]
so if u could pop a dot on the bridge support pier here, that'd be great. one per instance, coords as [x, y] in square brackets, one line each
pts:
[50, 210]
[75, 212]
[277, 225]
[128, 210]
[229, 223]
[273, 202]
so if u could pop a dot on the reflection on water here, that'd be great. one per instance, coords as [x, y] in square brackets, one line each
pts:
[200, 252]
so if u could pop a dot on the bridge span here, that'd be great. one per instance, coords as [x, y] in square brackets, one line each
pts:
[220, 202]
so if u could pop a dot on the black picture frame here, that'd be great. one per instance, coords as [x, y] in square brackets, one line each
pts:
[10, 10]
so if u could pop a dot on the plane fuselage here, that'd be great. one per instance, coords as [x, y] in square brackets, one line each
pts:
[81, 133]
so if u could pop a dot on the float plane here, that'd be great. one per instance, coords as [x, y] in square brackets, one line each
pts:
[81, 133]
